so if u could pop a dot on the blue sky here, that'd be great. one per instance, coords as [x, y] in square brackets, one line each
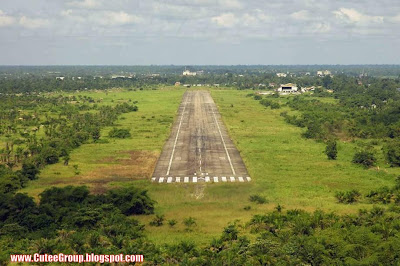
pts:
[183, 32]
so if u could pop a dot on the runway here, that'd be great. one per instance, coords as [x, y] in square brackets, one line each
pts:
[199, 148]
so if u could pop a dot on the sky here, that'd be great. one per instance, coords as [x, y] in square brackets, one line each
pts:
[199, 32]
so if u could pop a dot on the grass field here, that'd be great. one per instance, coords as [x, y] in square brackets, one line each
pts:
[123, 160]
[286, 169]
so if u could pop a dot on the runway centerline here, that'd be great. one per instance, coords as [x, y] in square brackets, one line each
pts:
[199, 146]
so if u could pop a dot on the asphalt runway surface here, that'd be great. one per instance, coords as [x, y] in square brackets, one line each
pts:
[199, 148]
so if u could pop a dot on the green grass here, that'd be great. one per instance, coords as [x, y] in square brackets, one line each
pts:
[120, 159]
[286, 168]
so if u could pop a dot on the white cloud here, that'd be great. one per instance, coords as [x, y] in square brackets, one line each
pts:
[253, 18]
[23, 21]
[103, 18]
[226, 20]
[301, 15]
[85, 4]
[350, 15]
[33, 23]
[6, 20]
[117, 18]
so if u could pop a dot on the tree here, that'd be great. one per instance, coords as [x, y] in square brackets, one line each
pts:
[392, 151]
[95, 134]
[331, 150]
[327, 81]
[30, 170]
[365, 158]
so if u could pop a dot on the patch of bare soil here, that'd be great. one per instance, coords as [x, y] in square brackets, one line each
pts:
[139, 165]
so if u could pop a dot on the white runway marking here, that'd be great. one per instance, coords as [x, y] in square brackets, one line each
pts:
[232, 179]
[248, 179]
[216, 179]
[169, 180]
[207, 179]
[223, 179]
[176, 139]
[186, 179]
[195, 179]
[161, 180]
[240, 179]
[178, 179]
[223, 142]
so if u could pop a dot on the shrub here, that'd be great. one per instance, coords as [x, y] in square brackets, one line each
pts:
[189, 222]
[392, 151]
[157, 221]
[230, 233]
[30, 171]
[365, 158]
[257, 199]
[131, 201]
[331, 150]
[119, 133]
[257, 97]
[172, 222]
[348, 197]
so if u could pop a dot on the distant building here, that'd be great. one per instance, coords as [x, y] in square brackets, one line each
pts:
[323, 73]
[189, 73]
[288, 88]
[177, 83]
[281, 75]
[60, 78]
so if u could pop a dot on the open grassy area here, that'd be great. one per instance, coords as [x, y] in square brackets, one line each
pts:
[112, 160]
[286, 168]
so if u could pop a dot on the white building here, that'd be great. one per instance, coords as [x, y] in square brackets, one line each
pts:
[288, 88]
[60, 78]
[323, 73]
[281, 75]
[188, 73]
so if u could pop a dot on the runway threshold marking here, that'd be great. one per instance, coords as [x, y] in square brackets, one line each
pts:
[176, 138]
[197, 179]
[223, 142]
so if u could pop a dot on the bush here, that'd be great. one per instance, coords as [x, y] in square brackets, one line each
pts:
[392, 151]
[158, 220]
[365, 158]
[189, 222]
[331, 150]
[257, 199]
[131, 201]
[119, 133]
[172, 222]
[269, 103]
[348, 197]
[30, 171]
